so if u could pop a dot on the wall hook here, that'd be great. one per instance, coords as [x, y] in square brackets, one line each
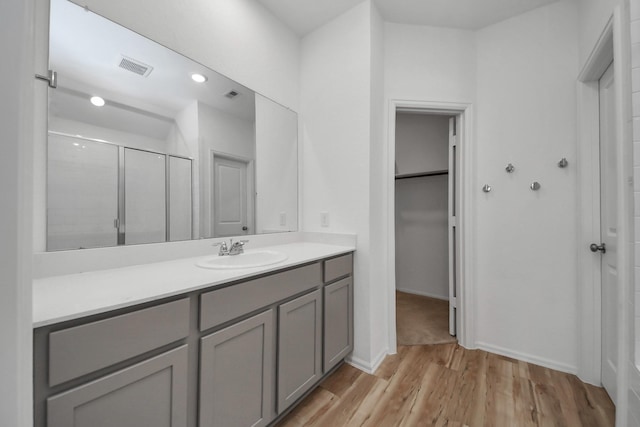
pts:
[563, 163]
[510, 168]
[486, 188]
[535, 186]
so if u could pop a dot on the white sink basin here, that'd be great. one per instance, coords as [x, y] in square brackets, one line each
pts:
[248, 259]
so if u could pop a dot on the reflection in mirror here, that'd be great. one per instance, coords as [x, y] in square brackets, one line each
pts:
[146, 145]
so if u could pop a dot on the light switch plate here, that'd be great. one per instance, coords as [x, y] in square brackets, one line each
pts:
[324, 219]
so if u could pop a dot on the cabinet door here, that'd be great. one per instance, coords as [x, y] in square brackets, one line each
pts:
[299, 347]
[338, 322]
[236, 374]
[151, 393]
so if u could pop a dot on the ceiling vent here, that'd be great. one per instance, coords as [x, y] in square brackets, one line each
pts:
[231, 94]
[134, 66]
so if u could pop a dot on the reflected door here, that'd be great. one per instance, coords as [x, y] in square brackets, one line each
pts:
[82, 193]
[229, 197]
[608, 232]
[145, 208]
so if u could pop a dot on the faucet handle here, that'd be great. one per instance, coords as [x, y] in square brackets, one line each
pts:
[223, 248]
[237, 248]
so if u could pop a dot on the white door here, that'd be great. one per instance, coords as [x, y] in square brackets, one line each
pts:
[608, 232]
[454, 165]
[229, 197]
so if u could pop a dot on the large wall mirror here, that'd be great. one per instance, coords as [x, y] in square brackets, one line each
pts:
[146, 145]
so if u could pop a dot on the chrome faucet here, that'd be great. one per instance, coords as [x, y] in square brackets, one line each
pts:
[236, 248]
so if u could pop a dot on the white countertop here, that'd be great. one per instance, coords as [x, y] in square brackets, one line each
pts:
[61, 298]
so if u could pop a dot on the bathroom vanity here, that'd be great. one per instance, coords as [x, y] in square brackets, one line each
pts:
[240, 350]
[133, 337]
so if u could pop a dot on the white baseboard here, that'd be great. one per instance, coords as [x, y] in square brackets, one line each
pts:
[547, 363]
[368, 367]
[424, 294]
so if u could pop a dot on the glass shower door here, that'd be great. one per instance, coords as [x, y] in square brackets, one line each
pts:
[180, 195]
[82, 193]
[145, 197]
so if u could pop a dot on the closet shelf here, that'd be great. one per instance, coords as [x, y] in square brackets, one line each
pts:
[421, 174]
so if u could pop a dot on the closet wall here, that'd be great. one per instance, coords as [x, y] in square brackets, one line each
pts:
[421, 205]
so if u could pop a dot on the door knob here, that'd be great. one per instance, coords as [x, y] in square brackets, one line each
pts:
[245, 228]
[595, 248]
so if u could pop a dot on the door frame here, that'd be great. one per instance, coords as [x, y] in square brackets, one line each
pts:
[612, 44]
[465, 313]
[250, 188]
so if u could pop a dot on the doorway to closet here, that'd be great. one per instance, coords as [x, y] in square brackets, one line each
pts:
[426, 167]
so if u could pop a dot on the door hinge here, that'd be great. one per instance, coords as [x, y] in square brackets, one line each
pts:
[51, 78]
[453, 221]
[453, 302]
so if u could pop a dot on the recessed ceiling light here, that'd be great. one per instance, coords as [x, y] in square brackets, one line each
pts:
[198, 78]
[97, 101]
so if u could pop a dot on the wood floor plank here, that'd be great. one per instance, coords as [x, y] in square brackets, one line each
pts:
[402, 390]
[433, 397]
[310, 410]
[525, 408]
[366, 408]
[593, 405]
[499, 406]
[470, 404]
[548, 404]
[341, 413]
[342, 380]
[447, 385]
[391, 363]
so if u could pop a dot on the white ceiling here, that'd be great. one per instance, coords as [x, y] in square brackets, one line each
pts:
[85, 49]
[303, 16]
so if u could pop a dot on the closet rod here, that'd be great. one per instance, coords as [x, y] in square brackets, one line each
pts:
[419, 175]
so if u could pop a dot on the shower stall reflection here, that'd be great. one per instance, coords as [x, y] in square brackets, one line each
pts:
[103, 194]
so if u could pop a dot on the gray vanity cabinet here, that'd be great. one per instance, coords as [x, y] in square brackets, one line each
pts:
[236, 374]
[236, 355]
[338, 322]
[338, 310]
[299, 347]
[150, 393]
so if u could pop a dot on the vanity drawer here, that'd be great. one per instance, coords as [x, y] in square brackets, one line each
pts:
[222, 305]
[83, 349]
[336, 268]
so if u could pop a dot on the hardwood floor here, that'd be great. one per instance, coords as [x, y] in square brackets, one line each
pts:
[447, 385]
